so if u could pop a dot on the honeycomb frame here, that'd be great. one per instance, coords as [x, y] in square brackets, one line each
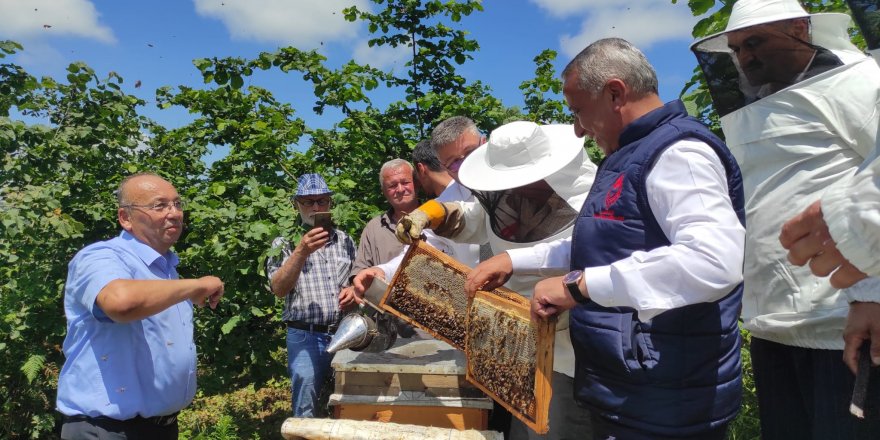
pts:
[432, 307]
[524, 390]
[446, 314]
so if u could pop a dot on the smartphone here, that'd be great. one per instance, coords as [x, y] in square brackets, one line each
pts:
[323, 220]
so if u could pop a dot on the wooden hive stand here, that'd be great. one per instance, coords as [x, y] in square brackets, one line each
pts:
[418, 381]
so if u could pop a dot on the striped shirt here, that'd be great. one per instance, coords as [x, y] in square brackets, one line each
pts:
[314, 299]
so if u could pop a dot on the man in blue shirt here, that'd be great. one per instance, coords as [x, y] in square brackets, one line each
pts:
[130, 356]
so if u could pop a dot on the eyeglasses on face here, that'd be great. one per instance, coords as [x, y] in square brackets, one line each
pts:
[308, 203]
[455, 164]
[179, 205]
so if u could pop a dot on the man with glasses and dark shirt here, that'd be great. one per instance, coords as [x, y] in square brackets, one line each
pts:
[130, 355]
[310, 277]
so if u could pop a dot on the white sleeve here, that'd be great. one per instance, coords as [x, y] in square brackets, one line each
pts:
[547, 256]
[851, 209]
[688, 194]
[390, 267]
[866, 290]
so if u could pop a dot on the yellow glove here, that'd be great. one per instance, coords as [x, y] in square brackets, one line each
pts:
[430, 215]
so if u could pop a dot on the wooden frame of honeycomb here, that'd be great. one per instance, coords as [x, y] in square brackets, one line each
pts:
[428, 292]
[510, 357]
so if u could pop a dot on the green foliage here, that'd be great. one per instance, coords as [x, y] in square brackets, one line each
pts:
[747, 425]
[33, 366]
[540, 109]
[248, 412]
[435, 47]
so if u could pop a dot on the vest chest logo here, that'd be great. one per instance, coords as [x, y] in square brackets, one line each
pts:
[614, 193]
[611, 198]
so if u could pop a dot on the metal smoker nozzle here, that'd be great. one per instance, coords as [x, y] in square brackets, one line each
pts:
[353, 332]
[364, 333]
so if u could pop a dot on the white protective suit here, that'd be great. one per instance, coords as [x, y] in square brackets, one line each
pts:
[791, 147]
[852, 211]
[571, 183]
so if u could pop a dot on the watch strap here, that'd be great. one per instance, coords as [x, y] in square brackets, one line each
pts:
[575, 290]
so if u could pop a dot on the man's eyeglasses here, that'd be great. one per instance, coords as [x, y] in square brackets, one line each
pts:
[453, 166]
[179, 205]
[308, 203]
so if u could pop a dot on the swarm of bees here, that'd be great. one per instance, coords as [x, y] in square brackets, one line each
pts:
[501, 352]
[431, 294]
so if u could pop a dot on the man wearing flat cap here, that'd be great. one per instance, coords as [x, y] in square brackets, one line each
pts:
[799, 109]
[310, 277]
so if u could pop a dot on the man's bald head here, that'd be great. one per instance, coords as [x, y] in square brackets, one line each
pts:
[127, 187]
[151, 210]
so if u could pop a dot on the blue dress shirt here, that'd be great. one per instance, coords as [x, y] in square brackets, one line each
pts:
[122, 370]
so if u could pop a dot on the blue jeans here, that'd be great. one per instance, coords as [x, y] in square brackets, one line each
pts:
[804, 393]
[309, 365]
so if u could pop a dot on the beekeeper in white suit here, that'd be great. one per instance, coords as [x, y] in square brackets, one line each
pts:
[531, 181]
[799, 109]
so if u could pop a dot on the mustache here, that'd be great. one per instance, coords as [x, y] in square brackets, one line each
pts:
[753, 65]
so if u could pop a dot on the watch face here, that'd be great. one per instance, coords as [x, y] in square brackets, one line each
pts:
[572, 277]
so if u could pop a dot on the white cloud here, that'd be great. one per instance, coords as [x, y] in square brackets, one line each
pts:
[381, 57]
[642, 28]
[304, 23]
[562, 8]
[39, 19]
[641, 22]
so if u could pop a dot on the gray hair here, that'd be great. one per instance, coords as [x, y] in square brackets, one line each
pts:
[611, 58]
[451, 129]
[393, 164]
[122, 193]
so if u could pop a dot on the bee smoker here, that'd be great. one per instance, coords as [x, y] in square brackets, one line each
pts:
[361, 332]
[370, 329]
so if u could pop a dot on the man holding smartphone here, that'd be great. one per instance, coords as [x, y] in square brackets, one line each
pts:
[310, 277]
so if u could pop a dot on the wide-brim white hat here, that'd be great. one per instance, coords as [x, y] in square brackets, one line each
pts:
[748, 13]
[519, 153]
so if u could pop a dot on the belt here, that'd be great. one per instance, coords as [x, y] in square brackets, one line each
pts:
[165, 420]
[315, 328]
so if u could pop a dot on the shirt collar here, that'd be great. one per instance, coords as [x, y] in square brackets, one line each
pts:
[386, 219]
[147, 254]
[646, 124]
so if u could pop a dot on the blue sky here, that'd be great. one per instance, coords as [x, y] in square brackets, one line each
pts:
[154, 42]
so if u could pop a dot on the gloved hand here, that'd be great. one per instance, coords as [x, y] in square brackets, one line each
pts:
[430, 215]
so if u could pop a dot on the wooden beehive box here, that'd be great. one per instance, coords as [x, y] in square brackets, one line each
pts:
[420, 380]
[508, 357]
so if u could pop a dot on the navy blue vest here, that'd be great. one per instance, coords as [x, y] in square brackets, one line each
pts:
[680, 372]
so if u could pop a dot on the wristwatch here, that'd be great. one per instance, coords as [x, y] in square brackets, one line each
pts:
[572, 281]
